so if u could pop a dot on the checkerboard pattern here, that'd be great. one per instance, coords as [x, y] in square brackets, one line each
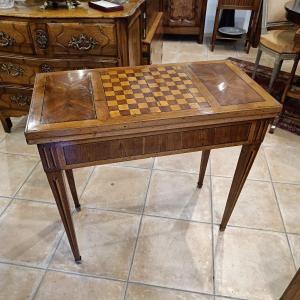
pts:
[150, 90]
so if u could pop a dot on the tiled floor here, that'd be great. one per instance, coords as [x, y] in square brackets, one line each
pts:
[145, 231]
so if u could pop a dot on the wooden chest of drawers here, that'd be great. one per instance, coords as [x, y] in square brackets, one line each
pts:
[33, 40]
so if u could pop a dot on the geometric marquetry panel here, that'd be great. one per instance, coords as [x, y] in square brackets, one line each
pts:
[151, 89]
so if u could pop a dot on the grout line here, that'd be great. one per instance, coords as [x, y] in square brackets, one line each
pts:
[17, 264]
[169, 288]
[138, 233]
[20, 154]
[86, 275]
[248, 179]
[87, 181]
[281, 216]
[180, 290]
[22, 184]
[27, 177]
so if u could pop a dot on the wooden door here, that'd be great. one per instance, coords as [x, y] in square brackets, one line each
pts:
[182, 12]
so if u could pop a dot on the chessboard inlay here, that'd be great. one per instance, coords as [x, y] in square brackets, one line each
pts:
[149, 90]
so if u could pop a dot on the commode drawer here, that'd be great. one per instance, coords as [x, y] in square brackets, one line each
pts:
[15, 37]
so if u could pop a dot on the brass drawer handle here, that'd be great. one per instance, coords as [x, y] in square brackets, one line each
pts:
[41, 38]
[21, 100]
[82, 42]
[6, 40]
[11, 69]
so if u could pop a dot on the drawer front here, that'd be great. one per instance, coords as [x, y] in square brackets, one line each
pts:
[82, 39]
[15, 37]
[153, 145]
[23, 70]
[15, 98]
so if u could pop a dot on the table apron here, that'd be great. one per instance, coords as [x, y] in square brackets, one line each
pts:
[75, 154]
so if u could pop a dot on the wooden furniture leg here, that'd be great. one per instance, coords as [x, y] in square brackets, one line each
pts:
[57, 184]
[258, 56]
[6, 123]
[203, 165]
[71, 181]
[246, 159]
[276, 70]
[292, 292]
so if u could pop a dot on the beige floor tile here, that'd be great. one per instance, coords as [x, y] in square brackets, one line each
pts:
[295, 246]
[106, 242]
[282, 138]
[174, 254]
[170, 58]
[176, 195]
[241, 53]
[222, 48]
[15, 143]
[3, 203]
[267, 60]
[62, 286]
[13, 170]
[288, 65]
[37, 187]
[190, 57]
[138, 292]
[289, 201]
[117, 188]
[184, 46]
[256, 206]
[284, 164]
[223, 163]
[252, 264]
[30, 231]
[187, 162]
[2, 133]
[18, 283]
[146, 163]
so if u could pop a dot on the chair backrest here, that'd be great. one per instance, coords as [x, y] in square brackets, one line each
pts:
[275, 14]
[240, 4]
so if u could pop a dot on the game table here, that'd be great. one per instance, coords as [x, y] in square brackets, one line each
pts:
[93, 117]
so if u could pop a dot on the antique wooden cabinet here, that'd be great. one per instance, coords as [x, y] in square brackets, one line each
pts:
[185, 17]
[34, 40]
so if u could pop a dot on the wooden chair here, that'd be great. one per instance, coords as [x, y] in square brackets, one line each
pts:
[278, 41]
[290, 90]
[252, 5]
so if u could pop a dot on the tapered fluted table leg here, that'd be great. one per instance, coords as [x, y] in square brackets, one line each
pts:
[71, 181]
[246, 159]
[57, 184]
[203, 165]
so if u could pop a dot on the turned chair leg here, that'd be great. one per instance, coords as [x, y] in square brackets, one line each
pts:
[276, 70]
[258, 57]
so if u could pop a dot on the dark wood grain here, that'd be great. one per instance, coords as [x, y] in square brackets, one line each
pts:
[292, 292]
[185, 17]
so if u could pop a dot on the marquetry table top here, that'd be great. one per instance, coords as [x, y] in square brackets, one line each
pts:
[101, 102]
